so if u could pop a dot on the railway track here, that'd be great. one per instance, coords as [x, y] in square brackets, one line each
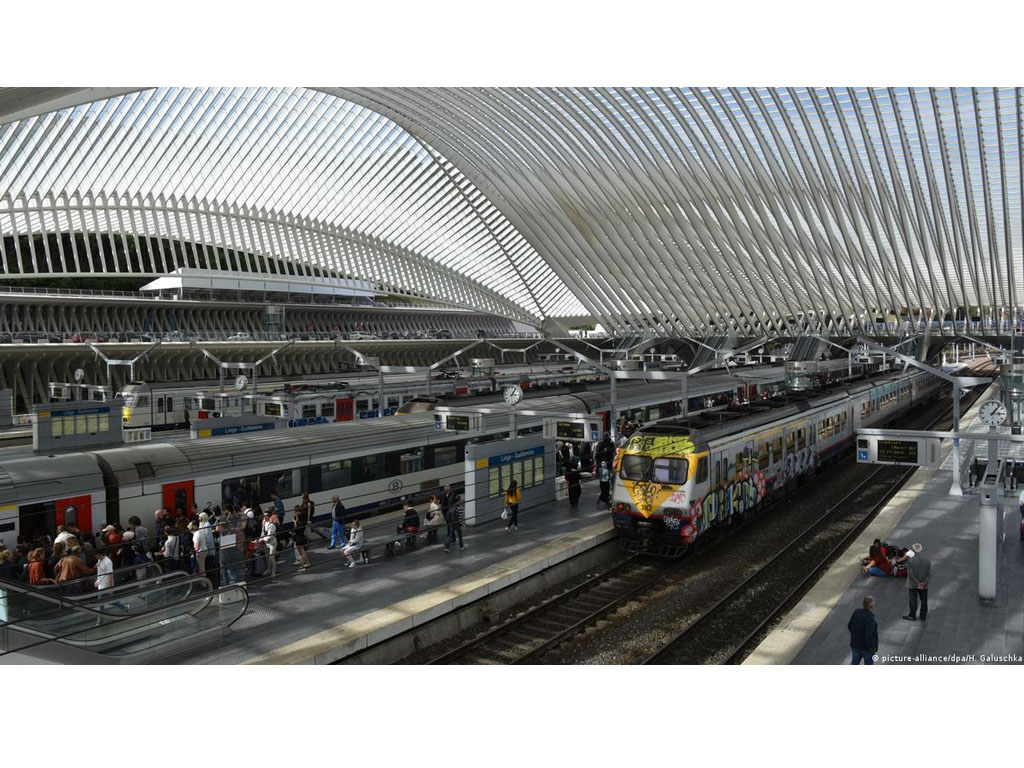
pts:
[529, 635]
[721, 633]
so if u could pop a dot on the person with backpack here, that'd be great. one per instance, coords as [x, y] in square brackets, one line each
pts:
[512, 498]
[863, 629]
[573, 483]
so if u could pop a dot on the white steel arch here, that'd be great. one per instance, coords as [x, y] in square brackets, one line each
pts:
[692, 209]
[259, 180]
[680, 210]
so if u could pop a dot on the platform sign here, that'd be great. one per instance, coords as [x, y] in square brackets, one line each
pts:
[459, 422]
[899, 451]
[76, 425]
[572, 429]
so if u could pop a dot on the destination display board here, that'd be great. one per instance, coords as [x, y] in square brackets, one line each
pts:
[570, 430]
[906, 451]
[456, 423]
[897, 451]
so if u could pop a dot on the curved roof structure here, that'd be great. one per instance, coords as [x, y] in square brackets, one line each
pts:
[669, 210]
[288, 180]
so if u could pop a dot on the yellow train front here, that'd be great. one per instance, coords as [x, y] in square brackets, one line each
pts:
[653, 505]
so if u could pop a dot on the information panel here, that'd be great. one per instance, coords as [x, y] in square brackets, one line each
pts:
[570, 430]
[897, 451]
[456, 423]
[900, 450]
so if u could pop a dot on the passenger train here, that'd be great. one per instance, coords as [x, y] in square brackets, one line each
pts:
[679, 478]
[373, 465]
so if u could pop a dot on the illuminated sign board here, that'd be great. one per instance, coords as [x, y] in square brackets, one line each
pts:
[571, 430]
[897, 451]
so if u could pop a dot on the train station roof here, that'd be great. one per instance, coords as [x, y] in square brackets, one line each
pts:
[675, 210]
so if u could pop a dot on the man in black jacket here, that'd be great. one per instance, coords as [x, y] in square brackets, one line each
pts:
[337, 523]
[864, 633]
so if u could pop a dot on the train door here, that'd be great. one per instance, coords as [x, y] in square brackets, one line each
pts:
[37, 520]
[752, 391]
[179, 495]
[76, 511]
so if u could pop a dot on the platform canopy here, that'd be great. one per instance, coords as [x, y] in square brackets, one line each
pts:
[682, 211]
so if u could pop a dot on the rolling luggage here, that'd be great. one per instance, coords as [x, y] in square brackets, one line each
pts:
[258, 564]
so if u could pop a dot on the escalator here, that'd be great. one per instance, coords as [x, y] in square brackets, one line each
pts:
[132, 622]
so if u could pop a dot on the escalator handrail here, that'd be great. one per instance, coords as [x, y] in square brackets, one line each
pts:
[128, 587]
[65, 602]
[206, 599]
[83, 579]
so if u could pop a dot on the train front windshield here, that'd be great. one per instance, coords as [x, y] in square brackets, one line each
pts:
[669, 471]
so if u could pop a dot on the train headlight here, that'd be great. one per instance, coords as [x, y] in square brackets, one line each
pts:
[623, 508]
[126, 415]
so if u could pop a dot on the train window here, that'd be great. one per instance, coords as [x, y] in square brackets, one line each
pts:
[702, 470]
[241, 490]
[777, 447]
[308, 411]
[144, 469]
[280, 482]
[443, 455]
[160, 405]
[143, 401]
[207, 404]
[335, 474]
[790, 441]
[169, 404]
[763, 458]
[673, 471]
[412, 461]
[739, 461]
[635, 467]
[801, 438]
[717, 477]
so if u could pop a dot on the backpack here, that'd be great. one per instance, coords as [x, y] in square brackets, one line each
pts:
[252, 528]
[184, 544]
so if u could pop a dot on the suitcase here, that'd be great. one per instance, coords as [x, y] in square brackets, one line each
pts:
[258, 563]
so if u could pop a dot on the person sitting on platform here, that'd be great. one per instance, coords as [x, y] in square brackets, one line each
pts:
[355, 543]
[411, 521]
[878, 564]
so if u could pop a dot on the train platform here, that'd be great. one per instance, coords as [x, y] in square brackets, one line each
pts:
[961, 628]
[330, 611]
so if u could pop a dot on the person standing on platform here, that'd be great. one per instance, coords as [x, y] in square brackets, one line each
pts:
[573, 484]
[301, 525]
[104, 571]
[278, 507]
[919, 572]
[268, 537]
[604, 478]
[864, 633]
[447, 500]
[454, 516]
[512, 498]
[337, 523]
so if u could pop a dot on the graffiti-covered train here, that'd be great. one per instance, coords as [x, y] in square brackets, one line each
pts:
[679, 478]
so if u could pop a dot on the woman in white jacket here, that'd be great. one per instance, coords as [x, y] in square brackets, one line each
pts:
[355, 543]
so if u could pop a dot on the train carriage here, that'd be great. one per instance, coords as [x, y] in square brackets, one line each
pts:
[677, 479]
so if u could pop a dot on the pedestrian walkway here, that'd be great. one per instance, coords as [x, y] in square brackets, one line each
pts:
[960, 626]
[324, 613]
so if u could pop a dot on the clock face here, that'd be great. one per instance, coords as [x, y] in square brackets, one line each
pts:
[992, 413]
[513, 394]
